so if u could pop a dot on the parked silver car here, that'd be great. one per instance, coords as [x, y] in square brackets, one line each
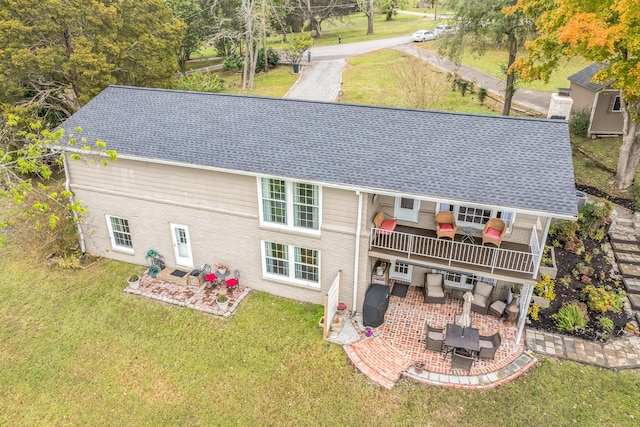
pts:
[423, 35]
[442, 29]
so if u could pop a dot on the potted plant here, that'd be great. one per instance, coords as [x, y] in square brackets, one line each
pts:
[342, 307]
[222, 301]
[222, 268]
[418, 367]
[134, 281]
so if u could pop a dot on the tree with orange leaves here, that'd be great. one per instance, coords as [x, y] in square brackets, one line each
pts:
[604, 31]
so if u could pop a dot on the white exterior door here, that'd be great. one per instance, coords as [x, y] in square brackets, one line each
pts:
[407, 209]
[181, 245]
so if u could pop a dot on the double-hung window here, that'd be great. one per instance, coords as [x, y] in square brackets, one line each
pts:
[119, 233]
[477, 216]
[400, 270]
[290, 204]
[291, 263]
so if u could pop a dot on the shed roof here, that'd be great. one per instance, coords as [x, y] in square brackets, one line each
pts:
[583, 77]
[519, 163]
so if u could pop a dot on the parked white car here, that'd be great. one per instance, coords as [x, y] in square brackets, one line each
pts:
[423, 35]
[442, 29]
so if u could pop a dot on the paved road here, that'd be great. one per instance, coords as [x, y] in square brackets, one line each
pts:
[320, 79]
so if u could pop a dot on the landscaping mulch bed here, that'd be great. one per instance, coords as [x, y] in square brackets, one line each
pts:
[566, 262]
[625, 203]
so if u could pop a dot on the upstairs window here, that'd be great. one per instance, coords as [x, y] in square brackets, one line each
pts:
[476, 216]
[290, 204]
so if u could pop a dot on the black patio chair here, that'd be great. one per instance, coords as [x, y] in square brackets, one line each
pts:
[433, 338]
[489, 345]
[461, 361]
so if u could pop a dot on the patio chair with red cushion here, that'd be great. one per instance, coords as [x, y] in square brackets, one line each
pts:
[494, 231]
[386, 226]
[445, 225]
[233, 283]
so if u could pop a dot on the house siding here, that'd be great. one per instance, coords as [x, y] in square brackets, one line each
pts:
[221, 212]
[606, 121]
[582, 98]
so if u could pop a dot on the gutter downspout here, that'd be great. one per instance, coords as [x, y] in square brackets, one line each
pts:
[356, 263]
[75, 214]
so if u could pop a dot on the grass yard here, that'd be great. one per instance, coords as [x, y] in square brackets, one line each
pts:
[377, 79]
[493, 61]
[76, 350]
[276, 83]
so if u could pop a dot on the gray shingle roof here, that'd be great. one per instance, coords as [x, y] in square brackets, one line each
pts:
[584, 76]
[511, 162]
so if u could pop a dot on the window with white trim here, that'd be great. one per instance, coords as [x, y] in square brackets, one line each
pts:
[407, 209]
[290, 204]
[401, 271]
[119, 233]
[468, 215]
[278, 259]
[454, 278]
[616, 105]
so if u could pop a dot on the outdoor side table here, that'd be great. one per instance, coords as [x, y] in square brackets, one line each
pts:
[467, 234]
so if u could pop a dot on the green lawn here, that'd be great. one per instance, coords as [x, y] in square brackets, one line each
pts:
[374, 79]
[76, 350]
[276, 83]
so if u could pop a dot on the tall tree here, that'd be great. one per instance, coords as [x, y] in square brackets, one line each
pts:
[58, 55]
[30, 155]
[368, 8]
[606, 31]
[196, 14]
[482, 24]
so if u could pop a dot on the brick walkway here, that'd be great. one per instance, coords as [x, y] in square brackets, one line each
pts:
[201, 298]
[393, 348]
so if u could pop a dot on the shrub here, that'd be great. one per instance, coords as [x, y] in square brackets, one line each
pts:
[579, 123]
[200, 82]
[534, 311]
[272, 57]
[605, 323]
[564, 281]
[547, 261]
[600, 300]
[482, 95]
[593, 217]
[571, 316]
[233, 62]
[545, 288]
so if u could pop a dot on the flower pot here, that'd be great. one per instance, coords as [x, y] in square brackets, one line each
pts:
[134, 284]
[222, 305]
[222, 271]
[418, 370]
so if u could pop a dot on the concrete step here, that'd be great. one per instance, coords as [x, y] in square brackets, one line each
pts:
[630, 238]
[631, 285]
[628, 257]
[623, 247]
[629, 270]
[634, 300]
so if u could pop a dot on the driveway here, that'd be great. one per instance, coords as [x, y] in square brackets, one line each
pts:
[320, 79]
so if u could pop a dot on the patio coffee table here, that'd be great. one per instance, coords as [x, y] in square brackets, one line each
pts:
[467, 234]
[454, 338]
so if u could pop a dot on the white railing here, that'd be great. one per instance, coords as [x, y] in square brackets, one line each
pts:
[536, 250]
[452, 251]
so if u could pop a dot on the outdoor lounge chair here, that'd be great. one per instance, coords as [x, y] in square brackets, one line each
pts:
[489, 345]
[481, 297]
[445, 225]
[461, 361]
[494, 231]
[384, 225]
[433, 289]
[433, 337]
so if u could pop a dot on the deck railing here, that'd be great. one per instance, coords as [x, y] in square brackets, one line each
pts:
[452, 251]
